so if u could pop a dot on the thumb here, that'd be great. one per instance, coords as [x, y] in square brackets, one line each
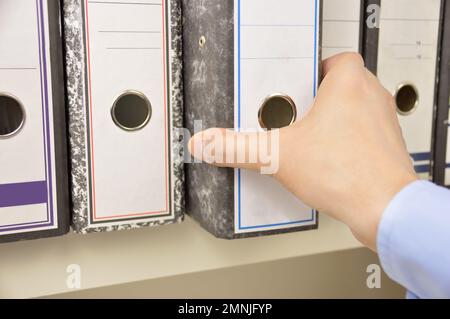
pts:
[258, 151]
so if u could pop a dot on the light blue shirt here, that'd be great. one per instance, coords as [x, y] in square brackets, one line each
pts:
[414, 240]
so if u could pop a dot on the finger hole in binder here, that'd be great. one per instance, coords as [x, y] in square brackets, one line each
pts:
[131, 111]
[12, 116]
[277, 111]
[407, 99]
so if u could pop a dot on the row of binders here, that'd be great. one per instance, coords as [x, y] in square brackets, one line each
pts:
[94, 96]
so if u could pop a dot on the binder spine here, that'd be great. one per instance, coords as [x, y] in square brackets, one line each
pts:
[362, 23]
[342, 27]
[75, 75]
[59, 117]
[407, 65]
[209, 97]
[177, 97]
[79, 120]
[209, 57]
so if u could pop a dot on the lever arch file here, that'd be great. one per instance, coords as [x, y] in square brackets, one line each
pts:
[240, 56]
[125, 113]
[34, 188]
[342, 26]
[406, 50]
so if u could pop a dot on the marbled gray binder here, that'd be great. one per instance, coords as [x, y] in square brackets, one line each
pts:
[209, 55]
[77, 73]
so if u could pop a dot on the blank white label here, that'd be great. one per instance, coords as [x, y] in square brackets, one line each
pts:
[276, 51]
[408, 43]
[341, 26]
[127, 50]
[27, 158]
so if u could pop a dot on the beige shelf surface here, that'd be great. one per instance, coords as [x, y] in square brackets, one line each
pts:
[39, 268]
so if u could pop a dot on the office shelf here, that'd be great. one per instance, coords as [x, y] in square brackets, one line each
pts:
[39, 268]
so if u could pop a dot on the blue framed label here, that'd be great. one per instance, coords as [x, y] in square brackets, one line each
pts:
[278, 39]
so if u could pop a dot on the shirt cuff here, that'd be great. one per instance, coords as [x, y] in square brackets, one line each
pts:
[411, 236]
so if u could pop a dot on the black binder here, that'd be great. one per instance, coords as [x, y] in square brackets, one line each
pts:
[213, 195]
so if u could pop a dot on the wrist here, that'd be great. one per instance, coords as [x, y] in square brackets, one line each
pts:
[366, 228]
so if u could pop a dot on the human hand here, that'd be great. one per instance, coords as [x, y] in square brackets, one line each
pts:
[346, 157]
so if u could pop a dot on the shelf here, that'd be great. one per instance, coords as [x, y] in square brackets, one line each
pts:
[38, 268]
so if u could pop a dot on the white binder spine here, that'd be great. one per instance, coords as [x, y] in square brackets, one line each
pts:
[407, 64]
[341, 27]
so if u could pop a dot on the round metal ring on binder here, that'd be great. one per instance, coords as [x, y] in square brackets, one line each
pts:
[277, 111]
[12, 115]
[131, 111]
[406, 98]
[202, 41]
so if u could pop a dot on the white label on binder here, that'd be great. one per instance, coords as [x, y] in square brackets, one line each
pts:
[27, 178]
[276, 51]
[341, 26]
[127, 48]
[407, 55]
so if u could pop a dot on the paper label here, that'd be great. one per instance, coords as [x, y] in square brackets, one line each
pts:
[276, 51]
[128, 51]
[408, 42]
[341, 27]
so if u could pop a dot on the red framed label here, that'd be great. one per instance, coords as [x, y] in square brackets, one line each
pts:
[114, 217]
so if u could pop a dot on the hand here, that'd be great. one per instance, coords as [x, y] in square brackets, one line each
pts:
[347, 156]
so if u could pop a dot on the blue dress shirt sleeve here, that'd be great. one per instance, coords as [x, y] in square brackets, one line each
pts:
[414, 240]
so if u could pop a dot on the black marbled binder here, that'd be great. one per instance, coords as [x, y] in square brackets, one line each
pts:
[209, 64]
